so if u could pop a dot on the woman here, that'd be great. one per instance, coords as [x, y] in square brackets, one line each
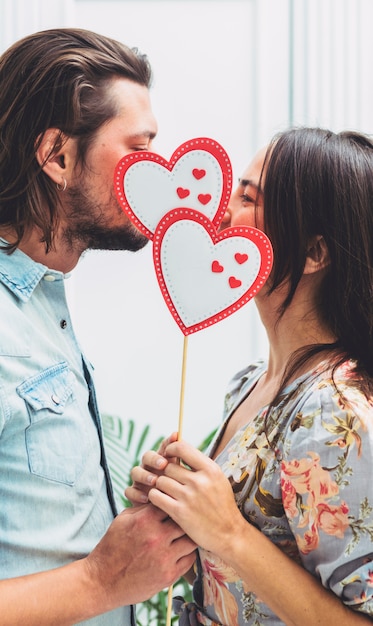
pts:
[283, 508]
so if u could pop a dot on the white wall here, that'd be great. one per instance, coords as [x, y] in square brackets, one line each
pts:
[234, 70]
[203, 81]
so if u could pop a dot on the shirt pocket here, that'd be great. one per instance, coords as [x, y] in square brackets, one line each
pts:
[55, 436]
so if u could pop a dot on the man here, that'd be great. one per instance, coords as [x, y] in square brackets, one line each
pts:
[72, 103]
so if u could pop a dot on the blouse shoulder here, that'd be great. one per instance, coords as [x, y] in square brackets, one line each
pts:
[326, 398]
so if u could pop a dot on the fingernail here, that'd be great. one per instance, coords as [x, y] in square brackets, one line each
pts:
[151, 479]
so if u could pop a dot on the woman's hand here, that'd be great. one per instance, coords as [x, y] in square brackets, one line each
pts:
[200, 500]
[144, 476]
[198, 497]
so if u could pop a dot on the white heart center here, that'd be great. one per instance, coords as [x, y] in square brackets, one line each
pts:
[151, 189]
[187, 256]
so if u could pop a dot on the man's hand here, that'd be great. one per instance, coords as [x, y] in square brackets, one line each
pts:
[143, 552]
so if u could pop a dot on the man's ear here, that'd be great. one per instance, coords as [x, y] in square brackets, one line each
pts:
[55, 155]
[317, 255]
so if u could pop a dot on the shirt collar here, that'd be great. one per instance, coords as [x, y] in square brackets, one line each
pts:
[21, 274]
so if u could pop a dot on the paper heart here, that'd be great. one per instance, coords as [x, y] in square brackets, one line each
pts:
[200, 279]
[216, 267]
[182, 193]
[147, 186]
[234, 282]
[198, 174]
[204, 198]
[240, 258]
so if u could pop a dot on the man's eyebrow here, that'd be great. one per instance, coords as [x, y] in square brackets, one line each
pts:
[145, 134]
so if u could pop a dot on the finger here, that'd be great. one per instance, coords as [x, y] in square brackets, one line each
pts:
[166, 503]
[153, 514]
[184, 545]
[173, 528]
[173, 437]
[136, 496]
[158, 514]
[154, 461]
[177, 536]
[176, 489]
[186, 563]
[177, 472]
[189, 455]
[141, 476]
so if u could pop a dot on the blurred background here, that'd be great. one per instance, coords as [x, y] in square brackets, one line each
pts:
[236, 71]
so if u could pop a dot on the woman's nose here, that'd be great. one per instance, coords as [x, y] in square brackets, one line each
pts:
[226, 221]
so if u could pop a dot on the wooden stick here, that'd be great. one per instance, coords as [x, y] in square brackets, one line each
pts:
[179, 435]
[182, 388]
[169, 606]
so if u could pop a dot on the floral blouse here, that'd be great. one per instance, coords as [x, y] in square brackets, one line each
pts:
[310, 493]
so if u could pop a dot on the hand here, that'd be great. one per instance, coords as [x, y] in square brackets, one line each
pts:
[143, 552]
[144, 476]
[199, 499]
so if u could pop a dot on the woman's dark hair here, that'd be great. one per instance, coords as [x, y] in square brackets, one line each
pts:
[321, 183]
[53, 79]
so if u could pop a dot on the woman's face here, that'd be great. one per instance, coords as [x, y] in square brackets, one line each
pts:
[245, 206]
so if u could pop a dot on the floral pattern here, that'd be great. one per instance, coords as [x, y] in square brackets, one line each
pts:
[302, 482]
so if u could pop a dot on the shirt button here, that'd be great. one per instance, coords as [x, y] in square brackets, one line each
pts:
[63, 324]
[49, 277]
[55, 398]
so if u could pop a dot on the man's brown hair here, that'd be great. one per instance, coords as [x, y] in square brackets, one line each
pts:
[58, 79]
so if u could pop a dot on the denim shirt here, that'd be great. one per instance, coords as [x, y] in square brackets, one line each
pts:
[56, 499]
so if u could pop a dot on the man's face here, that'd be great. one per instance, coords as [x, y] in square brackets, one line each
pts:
[94, 217]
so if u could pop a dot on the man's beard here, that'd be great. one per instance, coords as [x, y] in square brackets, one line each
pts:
[88, 228]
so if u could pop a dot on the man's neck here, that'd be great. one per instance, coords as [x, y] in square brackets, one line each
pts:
[59, 258]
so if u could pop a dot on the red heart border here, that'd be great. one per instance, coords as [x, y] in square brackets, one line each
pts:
[253, 234]
[200, 143]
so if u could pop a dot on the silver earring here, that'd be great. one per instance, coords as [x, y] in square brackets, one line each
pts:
[62, 187]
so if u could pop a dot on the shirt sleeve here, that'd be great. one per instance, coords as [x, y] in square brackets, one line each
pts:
[327, 489]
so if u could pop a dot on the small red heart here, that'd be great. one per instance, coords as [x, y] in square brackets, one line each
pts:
[216, 267]
[241, 258]
[204, 198]
[198, 174]
[234, 282]
[182, 193]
